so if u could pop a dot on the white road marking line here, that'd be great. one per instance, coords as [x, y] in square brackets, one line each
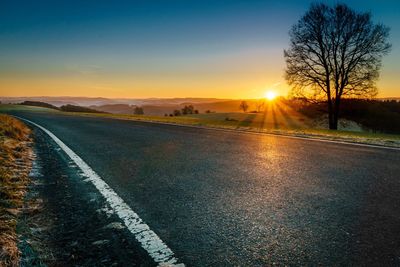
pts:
[149, 240]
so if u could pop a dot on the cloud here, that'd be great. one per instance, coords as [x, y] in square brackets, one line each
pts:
[84, 69]
[276, 84]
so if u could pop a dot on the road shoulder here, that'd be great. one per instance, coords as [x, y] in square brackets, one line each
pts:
[15, 163]
[71, 223]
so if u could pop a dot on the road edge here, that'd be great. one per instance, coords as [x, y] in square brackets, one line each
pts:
[148, 239]
[244, 131]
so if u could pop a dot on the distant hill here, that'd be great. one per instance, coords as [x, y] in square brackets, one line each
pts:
[39, 104]
[67, 108]
[101, 101]
[225, 106]
[161, 108]
[217, 106]
[115, 108]
[151, 106]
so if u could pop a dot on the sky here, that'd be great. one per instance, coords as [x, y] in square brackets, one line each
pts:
[140, 49]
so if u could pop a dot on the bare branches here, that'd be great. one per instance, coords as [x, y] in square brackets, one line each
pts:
[336, 51]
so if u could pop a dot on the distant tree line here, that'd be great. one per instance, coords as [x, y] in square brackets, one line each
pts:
[74, 108]
[376, 115]
[186, 110]
[379, 116]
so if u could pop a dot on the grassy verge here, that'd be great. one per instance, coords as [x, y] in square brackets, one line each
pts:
[14, 170]
[292, 125]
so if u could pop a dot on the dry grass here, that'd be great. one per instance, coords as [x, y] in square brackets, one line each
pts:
[14, 169]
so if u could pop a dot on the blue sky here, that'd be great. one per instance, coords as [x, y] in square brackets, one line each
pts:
[159, 48]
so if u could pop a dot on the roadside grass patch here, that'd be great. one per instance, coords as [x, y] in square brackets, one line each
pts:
[14, 169]
[12, 128]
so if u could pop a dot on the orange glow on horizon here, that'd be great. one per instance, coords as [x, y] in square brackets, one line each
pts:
[222, 86]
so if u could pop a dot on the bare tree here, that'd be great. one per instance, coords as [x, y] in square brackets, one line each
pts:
[334, 53]
[243, 106]
[260, 105]
[188, 110]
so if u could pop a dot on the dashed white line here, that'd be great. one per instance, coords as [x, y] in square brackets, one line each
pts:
[148, 239]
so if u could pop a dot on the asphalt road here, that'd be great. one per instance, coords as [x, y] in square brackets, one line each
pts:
[70, 225]
[232, 199]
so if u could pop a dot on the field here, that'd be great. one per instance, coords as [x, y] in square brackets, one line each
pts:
[278, 118]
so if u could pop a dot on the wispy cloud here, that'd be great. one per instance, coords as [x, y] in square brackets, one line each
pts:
[276, 84]
[89, 70]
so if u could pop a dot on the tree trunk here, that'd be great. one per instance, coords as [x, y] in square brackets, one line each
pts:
[336, 114]
[334, 124]
[331, 115]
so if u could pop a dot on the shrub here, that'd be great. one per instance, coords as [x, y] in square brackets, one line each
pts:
[138, 111]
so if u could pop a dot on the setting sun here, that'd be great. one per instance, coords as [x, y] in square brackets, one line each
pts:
[270, 95]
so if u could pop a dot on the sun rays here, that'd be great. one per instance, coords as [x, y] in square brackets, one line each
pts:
[270, 95]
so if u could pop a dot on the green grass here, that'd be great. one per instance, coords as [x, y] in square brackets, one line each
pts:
[11, 107]
[279, 120]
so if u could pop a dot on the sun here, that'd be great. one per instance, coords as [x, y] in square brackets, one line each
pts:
[270, 95]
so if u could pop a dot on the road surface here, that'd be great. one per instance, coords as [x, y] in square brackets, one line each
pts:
[233, 199]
